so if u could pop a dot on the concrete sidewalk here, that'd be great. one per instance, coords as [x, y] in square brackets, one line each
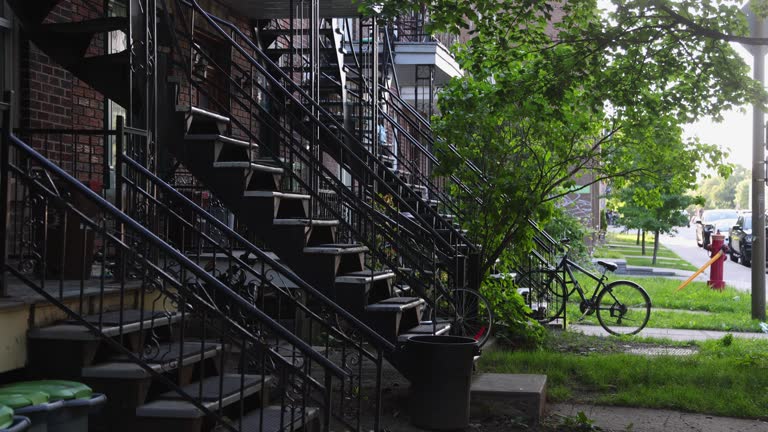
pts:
[671, 334]
[656, 420]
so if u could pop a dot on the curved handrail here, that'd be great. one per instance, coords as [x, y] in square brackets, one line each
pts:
[250, 247]
[108, 207]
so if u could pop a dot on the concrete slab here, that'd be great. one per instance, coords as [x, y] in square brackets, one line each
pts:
[509, 394]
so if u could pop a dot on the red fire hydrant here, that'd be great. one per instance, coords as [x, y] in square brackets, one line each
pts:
[716, 245]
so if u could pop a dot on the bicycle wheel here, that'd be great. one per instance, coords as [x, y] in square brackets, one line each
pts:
[546, 294]
[623, 308]
[468, 312]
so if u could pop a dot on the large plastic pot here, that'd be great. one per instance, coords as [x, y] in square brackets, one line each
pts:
[441, 379]
[32, 404]
[78, 402]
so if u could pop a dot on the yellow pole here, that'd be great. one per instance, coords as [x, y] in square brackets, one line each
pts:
[701, 270]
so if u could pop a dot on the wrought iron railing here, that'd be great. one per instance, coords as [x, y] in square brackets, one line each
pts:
[362, 206]
[260, 279]
[413, 27]
[130, 266]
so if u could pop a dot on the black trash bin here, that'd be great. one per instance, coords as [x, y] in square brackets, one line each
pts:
[441, 379]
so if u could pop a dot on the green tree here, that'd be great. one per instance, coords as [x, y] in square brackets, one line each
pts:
[657, 213]
[547, 97]
[721, 192]
[742, 194]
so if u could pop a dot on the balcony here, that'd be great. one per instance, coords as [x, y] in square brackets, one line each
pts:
[272, 9]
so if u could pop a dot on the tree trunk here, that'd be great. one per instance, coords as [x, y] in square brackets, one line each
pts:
[642, 251]
[655, 246]
[638, 237]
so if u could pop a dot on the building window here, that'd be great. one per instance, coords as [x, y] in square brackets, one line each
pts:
[117, 41]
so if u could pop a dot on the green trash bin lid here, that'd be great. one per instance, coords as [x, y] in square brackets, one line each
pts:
[6, 417]
[21, 397]
[56, 389]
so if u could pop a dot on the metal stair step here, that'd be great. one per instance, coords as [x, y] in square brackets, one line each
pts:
[221, 138]
[425, 328]
[92, 26]
[165, 359]
[306, 222]
[226, 387]
[199, 112]
[275, 194]
[214, 396]
[288, 31]
[169, 352]
[32, 13]
[131, 322]
[284, 51]
[335, 249]
[365, 276]
[401, 290]
[248, 166]
[271, 418]
[395, 304]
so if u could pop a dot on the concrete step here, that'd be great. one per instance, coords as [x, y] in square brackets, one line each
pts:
[519, 395]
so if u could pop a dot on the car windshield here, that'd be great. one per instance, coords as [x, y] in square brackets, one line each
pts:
[713, 215]
[747, 223]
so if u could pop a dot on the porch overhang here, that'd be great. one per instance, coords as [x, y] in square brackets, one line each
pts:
[408, 55]
[272, 9]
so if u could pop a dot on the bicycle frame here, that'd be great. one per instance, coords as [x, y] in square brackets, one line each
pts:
[566, 265]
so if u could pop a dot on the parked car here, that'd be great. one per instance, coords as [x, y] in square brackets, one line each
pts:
[707, 225]
[741, 239]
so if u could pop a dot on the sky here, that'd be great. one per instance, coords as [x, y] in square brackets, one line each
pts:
[734, 133]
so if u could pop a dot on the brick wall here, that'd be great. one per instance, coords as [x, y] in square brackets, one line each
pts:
[51, 97]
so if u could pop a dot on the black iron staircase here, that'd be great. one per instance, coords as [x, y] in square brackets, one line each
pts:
[159, 342]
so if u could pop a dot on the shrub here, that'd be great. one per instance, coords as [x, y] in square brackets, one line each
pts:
[511, 315]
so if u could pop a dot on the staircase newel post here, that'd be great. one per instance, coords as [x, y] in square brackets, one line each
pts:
[4, 186]
[379, 377]
[328, 400]
[120, 151]
[119, 197]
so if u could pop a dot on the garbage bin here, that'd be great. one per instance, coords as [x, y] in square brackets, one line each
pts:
[78, 402]
[33, 404]
[441, 379]
[10, 422]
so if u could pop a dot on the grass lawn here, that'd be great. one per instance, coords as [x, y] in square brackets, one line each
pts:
[622, 246]
[695, 307]
[725, 377]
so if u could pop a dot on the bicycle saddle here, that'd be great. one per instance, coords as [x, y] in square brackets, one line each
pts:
[608, 265]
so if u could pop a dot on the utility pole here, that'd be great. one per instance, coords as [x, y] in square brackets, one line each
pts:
[758, 30]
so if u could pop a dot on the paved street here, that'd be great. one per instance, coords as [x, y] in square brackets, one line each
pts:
[684, 244]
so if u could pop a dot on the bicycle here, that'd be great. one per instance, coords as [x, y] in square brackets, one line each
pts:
[622, 307]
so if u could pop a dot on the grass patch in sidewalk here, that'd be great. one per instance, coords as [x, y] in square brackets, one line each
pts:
[678, 264]
[695, 307]
[622, 246]
[726, 377]
[663, 252]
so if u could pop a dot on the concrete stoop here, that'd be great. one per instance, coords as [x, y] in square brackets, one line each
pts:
[519, 395]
